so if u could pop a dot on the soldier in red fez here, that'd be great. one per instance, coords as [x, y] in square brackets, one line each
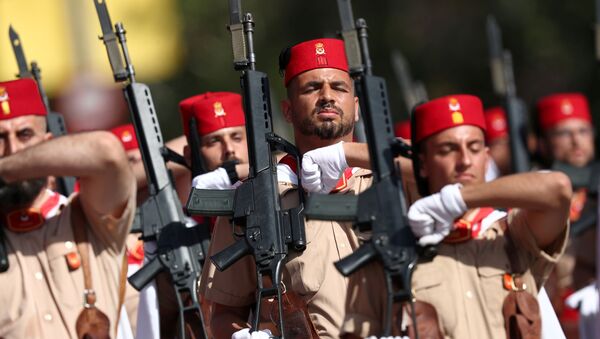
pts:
[43, 286]
[567, 130]
[483, 253]
[322, 107]
[221, 129]
[567, 140]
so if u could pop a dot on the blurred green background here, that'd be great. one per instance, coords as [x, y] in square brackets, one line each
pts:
[182, 47]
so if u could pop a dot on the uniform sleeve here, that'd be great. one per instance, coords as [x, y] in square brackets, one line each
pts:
[365, 302]
[540, 261]
[110, 230]
[236, 286]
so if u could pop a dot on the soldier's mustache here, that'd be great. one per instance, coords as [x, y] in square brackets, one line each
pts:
[329, 107]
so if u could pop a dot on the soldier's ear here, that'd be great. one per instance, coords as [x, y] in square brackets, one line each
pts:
[187, 154]
[423, 169]
[48, 136]
[286, 108]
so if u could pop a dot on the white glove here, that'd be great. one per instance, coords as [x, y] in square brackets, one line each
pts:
[585, 299]
[245, 334]
[432, 218]
[322, 168]
[216, 180]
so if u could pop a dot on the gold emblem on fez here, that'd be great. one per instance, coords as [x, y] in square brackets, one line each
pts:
[566, 107]
[319, 48]
[126, 136]
[457, 118]
[453, 104]
[218, 108]
[4, 101]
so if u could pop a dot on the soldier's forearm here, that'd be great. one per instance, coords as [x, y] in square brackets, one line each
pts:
[357, 155]
[530, 191]
[544, 198]
[80, 155]
[96, 158]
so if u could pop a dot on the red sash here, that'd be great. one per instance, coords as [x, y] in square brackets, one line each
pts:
[468, 229]
[341, 184]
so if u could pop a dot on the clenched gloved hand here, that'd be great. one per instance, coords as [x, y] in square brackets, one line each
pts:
[245, 334]
[216, 180]
[323, 167]
[432, 218]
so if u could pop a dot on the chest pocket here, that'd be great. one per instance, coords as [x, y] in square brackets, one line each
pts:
[492, 263]
[430, 283]
[306, 271]
[13, 295]
[65, 281]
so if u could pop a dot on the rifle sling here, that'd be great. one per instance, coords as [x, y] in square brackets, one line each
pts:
[79, 225]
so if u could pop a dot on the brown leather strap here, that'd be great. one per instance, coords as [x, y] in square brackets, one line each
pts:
[511, 251]
[78, 223]
[122, 288]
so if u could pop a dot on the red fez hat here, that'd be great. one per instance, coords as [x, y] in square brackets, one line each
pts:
[213, 111]
[402, 129]
[447, 112]
[20, 97]
[496, 124]
[312, 54]
[555, 108]
[126, 133]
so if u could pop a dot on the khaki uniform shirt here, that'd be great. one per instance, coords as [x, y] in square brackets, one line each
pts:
[310, 274]
[40, 297]
[463, 283]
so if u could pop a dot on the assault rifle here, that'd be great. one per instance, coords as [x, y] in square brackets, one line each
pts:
[413, 92]
[269, 232]
[55, 121]
[179, 249]
[381, 208]
[503, 81]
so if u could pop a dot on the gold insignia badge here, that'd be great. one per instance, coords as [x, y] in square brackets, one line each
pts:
[218, 108]
[4, 101]
[566, 107]
[126, 136]
[453, 104]
[457, 118]
[319, 48]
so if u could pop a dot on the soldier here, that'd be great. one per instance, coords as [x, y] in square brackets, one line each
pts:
[485, 253]
[222, 133]
[567, 140]
[322, 108]
[43, 290]
[224, 153]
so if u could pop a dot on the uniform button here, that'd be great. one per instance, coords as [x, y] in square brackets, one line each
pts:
[469, 294]
[39, 275]
[68, 244]
[343, 245]
[48, 317]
